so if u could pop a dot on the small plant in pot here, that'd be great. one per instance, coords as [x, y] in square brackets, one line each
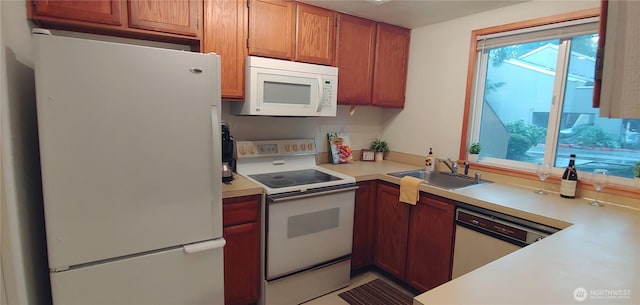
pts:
[474, 151]
[380, 147]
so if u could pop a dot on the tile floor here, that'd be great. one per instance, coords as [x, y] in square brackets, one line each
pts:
[334, 299]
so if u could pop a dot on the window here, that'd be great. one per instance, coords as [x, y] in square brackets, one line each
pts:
[531, 101]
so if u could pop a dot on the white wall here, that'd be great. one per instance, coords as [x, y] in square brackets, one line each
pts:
[437, 77]
[24, 264]
[3, 290]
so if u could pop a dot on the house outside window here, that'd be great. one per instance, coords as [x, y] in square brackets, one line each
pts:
[531, 101]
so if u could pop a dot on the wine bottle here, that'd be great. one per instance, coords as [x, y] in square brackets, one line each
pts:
[569, 179]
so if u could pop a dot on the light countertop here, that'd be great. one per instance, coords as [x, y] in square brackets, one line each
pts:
[597, 250]
[240, 186]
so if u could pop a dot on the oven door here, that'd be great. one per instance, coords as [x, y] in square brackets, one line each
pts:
[307, 230]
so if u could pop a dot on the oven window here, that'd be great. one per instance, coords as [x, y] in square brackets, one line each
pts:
[286, 93]
[310, 223]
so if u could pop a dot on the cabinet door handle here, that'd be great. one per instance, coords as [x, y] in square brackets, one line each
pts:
[320, 94]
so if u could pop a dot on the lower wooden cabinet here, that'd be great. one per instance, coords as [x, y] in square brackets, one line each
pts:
[429, 248]
[414, 243]
[241, 222]
[362, 249]
[392, 219]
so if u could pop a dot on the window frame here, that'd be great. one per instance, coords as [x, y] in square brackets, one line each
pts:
[509, 167]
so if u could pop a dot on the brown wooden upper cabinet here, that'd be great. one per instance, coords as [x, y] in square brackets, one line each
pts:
[182, 17]
[390, 66]
[165, 20]
[372, 62]
[292, 31]
[271, 28]
[98, 11]
[225, 33]
[354, 59]
[315, 34]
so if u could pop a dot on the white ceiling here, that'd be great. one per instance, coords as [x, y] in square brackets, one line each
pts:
[412, 13]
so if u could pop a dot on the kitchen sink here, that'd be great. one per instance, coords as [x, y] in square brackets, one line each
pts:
[442, 179]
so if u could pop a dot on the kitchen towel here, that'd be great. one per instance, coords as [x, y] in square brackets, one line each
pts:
[409, 192]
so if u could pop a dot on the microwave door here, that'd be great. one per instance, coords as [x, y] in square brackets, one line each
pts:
[292, 95]
[283, 88]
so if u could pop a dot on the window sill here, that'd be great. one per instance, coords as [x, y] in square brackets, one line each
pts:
[553, 182]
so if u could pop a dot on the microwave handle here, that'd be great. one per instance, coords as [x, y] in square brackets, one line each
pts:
[320, 94]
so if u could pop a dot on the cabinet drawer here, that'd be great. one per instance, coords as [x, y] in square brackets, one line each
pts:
[240, 210]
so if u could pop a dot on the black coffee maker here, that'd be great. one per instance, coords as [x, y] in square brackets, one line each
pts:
[228, 154]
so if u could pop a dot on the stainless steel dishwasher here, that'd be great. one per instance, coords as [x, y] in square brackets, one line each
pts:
[483, 236]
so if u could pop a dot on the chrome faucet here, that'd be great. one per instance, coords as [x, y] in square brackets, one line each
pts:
[452, 165]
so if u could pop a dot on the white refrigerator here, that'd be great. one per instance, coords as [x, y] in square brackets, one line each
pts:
[131, 172]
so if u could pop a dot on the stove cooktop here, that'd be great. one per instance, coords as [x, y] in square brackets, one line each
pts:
[293, 178]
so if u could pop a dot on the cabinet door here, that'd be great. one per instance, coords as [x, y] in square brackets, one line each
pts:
[271, 28]
[362, 250]
[620, 88]
[430, 244]
[181, 17]
[354, 59]
[96, 11]
[392, 218]
[390, 66]
[225, 34]
[242, 264]
[242, 251]
[315, 34]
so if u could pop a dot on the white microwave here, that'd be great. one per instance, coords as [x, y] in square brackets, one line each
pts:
[277, 87]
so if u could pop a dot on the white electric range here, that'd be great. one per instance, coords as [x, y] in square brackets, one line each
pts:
[307, 219]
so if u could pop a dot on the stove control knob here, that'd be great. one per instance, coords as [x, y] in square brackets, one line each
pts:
[287, 148]
[242, 150]
[295, 147]
[310, 147]
[252, 150]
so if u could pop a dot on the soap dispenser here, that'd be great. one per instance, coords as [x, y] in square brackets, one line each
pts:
[430, 161]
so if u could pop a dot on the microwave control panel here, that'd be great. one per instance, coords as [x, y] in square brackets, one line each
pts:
[254, 149]
[327, 88]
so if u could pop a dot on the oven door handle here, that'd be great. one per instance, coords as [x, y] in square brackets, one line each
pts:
[312, 194]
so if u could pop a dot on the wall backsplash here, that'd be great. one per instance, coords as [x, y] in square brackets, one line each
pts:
[362, 127]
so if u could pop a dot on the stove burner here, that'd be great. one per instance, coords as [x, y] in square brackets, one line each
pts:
[282, 182]
[293, 178]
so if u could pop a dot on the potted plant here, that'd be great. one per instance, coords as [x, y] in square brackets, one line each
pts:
[474, 151]
[380, 147]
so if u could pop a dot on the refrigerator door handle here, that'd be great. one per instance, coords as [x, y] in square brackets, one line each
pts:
[204, 246]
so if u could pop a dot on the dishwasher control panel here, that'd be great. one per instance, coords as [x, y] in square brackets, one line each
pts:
[509, 228]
